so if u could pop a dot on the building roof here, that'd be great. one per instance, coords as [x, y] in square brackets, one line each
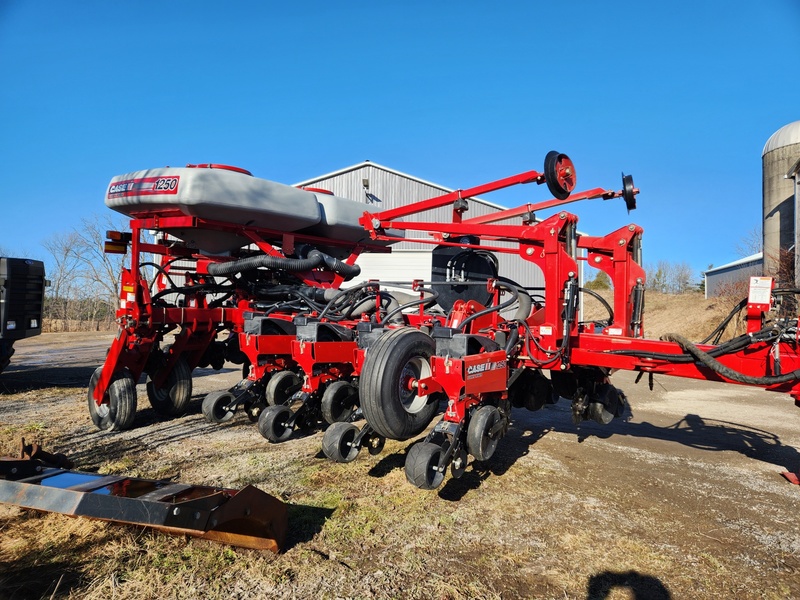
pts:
[368, 163]
[785, 136]
[742, 261]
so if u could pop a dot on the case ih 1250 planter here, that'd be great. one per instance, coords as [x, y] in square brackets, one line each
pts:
[250, 271]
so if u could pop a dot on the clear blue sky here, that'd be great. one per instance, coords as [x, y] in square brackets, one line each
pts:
[683, 95]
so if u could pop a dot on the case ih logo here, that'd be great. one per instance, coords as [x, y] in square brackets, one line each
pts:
[474, 371]
[144, 186]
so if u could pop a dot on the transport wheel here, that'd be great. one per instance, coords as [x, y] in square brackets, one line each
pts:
[118, 409]
[274, 425]
[281, 387]
[421, 466]
[337, 443]
[559, 174]
[339, 402]
[215, 407]
[480, 445]
[389, 399]
[173, 398]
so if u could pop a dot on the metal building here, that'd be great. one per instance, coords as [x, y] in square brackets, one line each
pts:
[733, 278]
[779, 160]
[381, 188]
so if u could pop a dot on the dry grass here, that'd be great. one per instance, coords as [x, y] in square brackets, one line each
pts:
[691, 315]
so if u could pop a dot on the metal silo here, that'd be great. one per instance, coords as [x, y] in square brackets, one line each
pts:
[780, 156]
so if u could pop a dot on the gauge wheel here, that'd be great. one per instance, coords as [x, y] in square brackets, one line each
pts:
[422, 466]
[118, 408]
[337, 443]
[274, 423]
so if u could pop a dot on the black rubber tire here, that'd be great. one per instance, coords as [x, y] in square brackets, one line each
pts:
[336, 443]
[393, 412]
[421, 463]
[172, 400]
[281, 387]
[339, 402]
[479, 444]
[551, 161]
[214, 407]
[118, 409]
[6, 352]
[272, 423]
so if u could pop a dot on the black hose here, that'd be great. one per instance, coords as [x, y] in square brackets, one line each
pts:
[393, 311]
[337, 266]
[716, 366]
[313, 259]
[270, 262]
[513, 289]
[602, 300]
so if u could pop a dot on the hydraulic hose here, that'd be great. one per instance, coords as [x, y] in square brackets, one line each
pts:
[515, 294]
[394, 309]
[716, 366]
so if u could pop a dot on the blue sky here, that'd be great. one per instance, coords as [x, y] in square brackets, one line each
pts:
[683, 95]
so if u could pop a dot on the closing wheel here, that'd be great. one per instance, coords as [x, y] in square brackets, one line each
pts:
[559, 174]
[337, 443]
[479, 442]
[422, 466]
[215, 407]
[253, 409]
[388, 387]
[173, 398]
[375, 444]
[274, 424]
[118, 409]
[281, 387]
[339, 402]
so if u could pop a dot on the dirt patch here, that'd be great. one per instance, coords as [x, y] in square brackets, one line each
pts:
[682, 498]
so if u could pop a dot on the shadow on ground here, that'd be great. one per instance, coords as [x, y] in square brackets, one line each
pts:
[640, 587]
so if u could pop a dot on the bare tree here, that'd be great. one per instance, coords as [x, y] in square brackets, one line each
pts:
[84, 279]
[751, 243]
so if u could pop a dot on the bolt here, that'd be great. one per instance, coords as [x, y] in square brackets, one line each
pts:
[639, 280]
[571, 274]
[376, 223]
[176, 511]
[197, 516]
[598, 259]
[622, 242]
[529, 251]
[562, 215]
[631, 227]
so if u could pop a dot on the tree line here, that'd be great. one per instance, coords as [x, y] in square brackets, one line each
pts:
[663, 276]
[84, 280]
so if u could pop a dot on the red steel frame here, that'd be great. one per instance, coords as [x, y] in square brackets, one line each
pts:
[143, 325]
[552, 244]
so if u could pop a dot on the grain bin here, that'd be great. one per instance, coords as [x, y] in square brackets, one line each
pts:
[780, 154]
